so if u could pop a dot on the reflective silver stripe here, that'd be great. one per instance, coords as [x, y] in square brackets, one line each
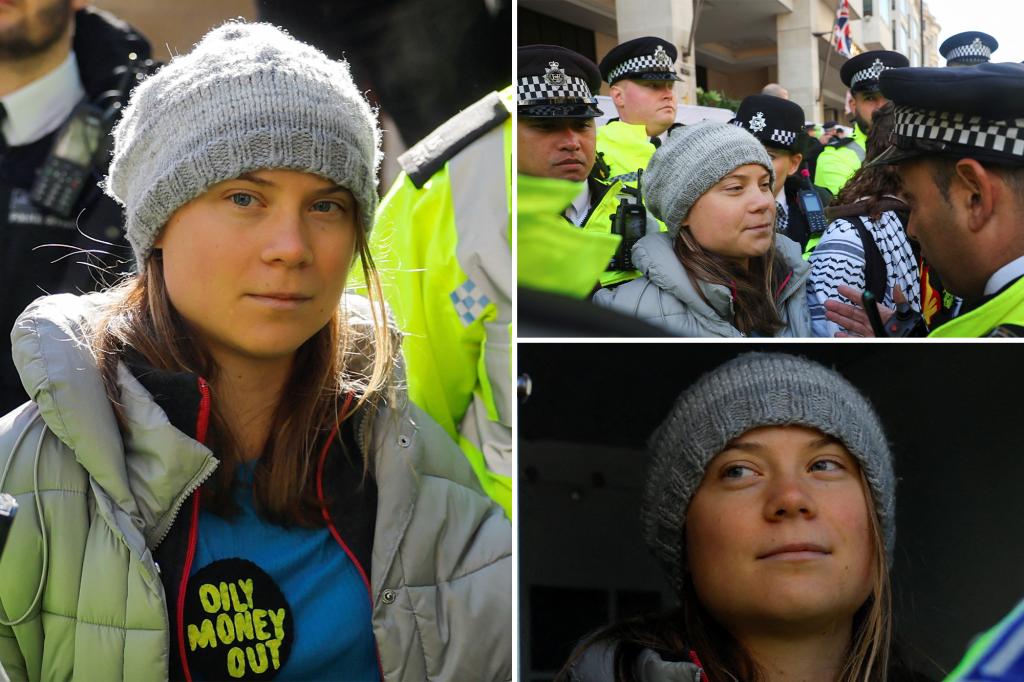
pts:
[857, 149]
[480, 205]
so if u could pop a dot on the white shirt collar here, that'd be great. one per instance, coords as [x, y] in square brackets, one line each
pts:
[781, 198]
[1004, 275]
[43, 105]
[579, 207]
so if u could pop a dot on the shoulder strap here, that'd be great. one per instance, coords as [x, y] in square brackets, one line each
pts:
[432, 152]
[874, 265]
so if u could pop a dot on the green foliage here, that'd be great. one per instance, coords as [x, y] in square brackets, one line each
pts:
[713, 98]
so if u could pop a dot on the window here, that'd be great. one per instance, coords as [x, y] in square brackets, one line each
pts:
[901, 38]
[915, 57]
[883, 9]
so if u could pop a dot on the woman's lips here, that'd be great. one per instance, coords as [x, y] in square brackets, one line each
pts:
[802, 551]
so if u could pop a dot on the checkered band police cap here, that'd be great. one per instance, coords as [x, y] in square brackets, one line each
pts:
[747, 392]
[556, 82]
[968, 48]
[861, 73]
[976, 113]
[646, 58]
[776, 122]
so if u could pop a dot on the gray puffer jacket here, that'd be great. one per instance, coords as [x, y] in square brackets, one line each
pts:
[597, 664]
[665, 295]
[82, 587]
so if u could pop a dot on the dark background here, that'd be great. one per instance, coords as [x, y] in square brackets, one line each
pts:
[953, 415]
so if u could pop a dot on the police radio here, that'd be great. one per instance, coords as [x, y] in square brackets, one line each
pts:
[82, 145]
[811, 203]
[629, 222]
[63, 176]
[903, 323]
[8, 508]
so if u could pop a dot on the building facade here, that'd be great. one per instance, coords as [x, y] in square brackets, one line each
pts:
[738, 46]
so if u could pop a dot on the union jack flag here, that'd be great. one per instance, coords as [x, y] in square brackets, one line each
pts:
[841, 33]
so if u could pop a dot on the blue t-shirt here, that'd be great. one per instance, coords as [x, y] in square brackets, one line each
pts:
[264, 601]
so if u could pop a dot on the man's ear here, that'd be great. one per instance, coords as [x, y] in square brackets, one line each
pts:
[618, 97]
[794, 162]
[979, 190]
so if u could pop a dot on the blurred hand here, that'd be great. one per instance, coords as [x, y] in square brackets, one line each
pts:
[853, 318]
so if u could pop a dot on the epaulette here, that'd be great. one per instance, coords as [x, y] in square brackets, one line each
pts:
[1006, 331]
[428, 155]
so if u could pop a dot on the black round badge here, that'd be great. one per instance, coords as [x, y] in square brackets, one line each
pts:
[238, 625]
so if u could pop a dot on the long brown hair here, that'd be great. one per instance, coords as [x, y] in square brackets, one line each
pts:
[754, 290]
[340, 359]
[873, 183]
[691, 628]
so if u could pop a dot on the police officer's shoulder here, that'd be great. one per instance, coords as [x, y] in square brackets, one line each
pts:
[1006, 331]
[431, 153]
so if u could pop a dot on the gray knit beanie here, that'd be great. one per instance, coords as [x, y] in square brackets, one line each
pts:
[752, 390]
[690, 162]
[247, 97]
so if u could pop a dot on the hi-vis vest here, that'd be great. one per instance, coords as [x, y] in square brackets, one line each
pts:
[442, 244]
[996, 655]
[600, 220]
[553, 255]
[625, 147]
[837, 164]
[1005, 309]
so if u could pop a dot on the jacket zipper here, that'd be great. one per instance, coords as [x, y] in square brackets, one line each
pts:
[327, 514]
[202, 424]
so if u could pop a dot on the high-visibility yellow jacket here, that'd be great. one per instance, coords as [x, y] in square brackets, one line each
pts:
[442, 242]
[625, 147]
[997, 654]
[1006, 308]
[837, 164]
[552, 254]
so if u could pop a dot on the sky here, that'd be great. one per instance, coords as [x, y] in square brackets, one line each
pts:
[1002, 19]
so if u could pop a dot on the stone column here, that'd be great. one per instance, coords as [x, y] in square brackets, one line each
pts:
[799, 68]
[668, 19]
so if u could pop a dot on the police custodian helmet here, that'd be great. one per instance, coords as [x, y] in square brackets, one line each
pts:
[555, 82]
[976, 113]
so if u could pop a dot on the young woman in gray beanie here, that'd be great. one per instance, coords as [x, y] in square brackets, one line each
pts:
[720, 269]
[220, 473]
[769, 503]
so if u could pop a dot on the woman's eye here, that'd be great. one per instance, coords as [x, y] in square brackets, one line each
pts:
[737, 471]
[826, 465]
[241, 199]
[324, 206]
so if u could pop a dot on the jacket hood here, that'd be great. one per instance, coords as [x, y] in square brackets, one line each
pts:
[148, 470]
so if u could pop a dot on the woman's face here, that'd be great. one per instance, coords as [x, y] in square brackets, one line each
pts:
[735, 219]
[257, 264]
[778, 536]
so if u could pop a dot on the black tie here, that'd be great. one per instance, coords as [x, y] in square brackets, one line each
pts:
[656, 142]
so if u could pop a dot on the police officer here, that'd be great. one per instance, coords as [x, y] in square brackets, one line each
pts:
[61, 72]
[959, 147]
[556, 137]
[843, 156]
[640, 73]
[441, 241]
[779, 125]
[969, 48]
